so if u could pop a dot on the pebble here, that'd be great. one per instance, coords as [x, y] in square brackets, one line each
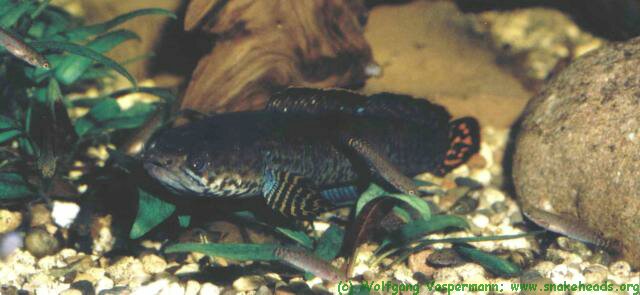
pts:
[284, 290]
[573, 246]
[248, 283]
[103, 239]
[64, 213]
[187, 269]
[464, 205]
[209, 289]
[595, 274]
[417, 262]
[480, 220]
[85, 287]
[482, 176]
[127, 271]
[192, 288]
[152, 288]
[104, 283]
[477, 161]
[561, 256]
[491, 195]
[153, 263]
[403, 274]
[71, 292]
[534, 277]
[9, 243]
[470, 270]
[544, 268]
[446, 275]
[445, 258]
[563, 273]
[263, 290]
[8, 290]
[40, 215]
[39, 242]
[620, 268]
[468, 182]
[9, 221]
[174, 289]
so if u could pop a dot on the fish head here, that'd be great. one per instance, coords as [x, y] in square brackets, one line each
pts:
[189, 161]
[37, 60]
[177, 162]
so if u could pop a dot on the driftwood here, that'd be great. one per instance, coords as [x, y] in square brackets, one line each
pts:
[264, 45]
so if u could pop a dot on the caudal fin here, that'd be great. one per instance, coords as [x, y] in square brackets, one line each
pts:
[464, 142]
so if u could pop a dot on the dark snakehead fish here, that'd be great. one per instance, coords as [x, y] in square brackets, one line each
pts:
[310, 148]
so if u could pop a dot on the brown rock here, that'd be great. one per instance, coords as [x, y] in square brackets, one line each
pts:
[9, 221]
[578, 148]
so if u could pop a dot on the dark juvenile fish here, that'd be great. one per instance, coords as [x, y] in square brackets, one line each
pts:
[307, 261]
[18, 48]
[310, 146]
[569, 227]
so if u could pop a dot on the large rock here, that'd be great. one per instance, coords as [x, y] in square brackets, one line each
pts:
[578, 149]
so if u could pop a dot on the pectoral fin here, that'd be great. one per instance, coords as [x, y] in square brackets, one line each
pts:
[382, 166]
[292, 195]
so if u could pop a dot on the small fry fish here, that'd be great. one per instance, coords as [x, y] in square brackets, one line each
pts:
[18, 48]
[569, 227]
[307, 261]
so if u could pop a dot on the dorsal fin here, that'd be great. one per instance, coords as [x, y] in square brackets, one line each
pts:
[299, 100]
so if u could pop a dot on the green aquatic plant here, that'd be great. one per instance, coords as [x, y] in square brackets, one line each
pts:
[374, 205]
[46, 54]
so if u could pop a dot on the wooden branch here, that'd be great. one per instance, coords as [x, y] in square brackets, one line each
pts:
[264, 45]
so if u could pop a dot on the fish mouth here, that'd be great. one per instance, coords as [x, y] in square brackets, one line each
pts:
[175, 179]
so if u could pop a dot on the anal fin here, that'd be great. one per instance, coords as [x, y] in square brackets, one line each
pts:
[382, 166]
[293, 195]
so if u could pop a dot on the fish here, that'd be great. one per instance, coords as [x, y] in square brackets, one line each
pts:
[569, 227]
[308, 146]
[307, 261]
[20, 49]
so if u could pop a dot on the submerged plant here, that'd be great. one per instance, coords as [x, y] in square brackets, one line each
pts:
[46, 54]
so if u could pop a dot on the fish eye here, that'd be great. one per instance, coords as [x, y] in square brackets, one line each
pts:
[197, 164]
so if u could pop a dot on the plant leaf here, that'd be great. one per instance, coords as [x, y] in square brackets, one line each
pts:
[13, 186]
[184, 220]
[73, 66]
[85, 52]
[330, 243]
[8, 129]
[107, 115]
[366, 222]
[420, 227]
[374, 191]
[12, 16]
[87, 31]
[296, 235]
[264, 252]
[151, 212]
[492, 263]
